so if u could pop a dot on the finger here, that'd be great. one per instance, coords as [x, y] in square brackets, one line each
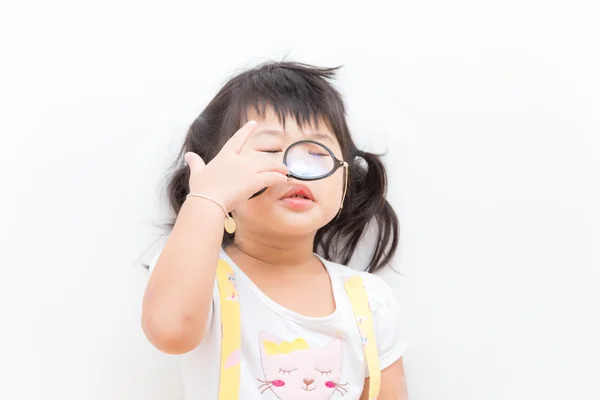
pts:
[236, 143]
[194, 161]
[270, 166]
[260, 162]
[269, 178]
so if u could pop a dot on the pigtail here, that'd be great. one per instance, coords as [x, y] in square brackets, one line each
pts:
[379, 210]
[365, 204]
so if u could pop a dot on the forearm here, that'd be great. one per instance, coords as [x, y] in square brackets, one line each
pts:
[178, 296]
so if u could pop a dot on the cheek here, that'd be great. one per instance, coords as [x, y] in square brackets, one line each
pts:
[251, 210]
[330, 189]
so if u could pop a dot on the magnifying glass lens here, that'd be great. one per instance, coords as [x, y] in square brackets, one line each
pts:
[308, 160]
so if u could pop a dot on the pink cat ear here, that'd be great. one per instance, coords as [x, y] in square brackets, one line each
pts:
[268, 336]
[233, 359]
[334, 347]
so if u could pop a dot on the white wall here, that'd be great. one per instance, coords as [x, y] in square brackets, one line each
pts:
[490, 113]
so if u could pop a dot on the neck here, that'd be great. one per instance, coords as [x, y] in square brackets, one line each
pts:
[286, 252]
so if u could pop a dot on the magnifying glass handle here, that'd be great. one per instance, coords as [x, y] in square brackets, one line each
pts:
[261, 191]
[258, 193]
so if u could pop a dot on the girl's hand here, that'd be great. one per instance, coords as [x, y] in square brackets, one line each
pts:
[232, 177]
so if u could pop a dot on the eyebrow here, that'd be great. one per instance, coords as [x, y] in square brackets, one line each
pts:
[278, 132]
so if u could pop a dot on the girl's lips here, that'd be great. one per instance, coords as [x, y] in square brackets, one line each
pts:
[297, 203]
[299, 191]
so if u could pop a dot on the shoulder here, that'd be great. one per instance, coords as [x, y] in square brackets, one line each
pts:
[388, 319]
[379, 292]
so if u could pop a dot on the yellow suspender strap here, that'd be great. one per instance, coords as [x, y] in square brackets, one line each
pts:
[229, 381]
[231, 333]
[364, 319]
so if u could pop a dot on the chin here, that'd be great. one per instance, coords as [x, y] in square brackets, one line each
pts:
[283, 220]
[299, 223]
[293, 224]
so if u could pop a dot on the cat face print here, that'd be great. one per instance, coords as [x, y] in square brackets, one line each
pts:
[293, 370]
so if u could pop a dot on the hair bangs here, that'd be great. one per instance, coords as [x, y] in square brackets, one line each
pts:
[301, 95]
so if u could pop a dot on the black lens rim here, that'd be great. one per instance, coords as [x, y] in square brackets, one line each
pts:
[337, 163]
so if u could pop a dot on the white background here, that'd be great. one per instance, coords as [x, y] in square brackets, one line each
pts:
[489, 112]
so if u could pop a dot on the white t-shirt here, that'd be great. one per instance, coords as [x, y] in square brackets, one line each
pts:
[332, 368]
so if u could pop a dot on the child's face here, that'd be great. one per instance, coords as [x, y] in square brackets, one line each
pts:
[273, 213]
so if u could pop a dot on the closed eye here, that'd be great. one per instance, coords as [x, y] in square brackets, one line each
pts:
[286, 371]
[324, 372]
[271, 151]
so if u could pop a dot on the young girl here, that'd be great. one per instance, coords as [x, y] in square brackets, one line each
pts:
[248, 285]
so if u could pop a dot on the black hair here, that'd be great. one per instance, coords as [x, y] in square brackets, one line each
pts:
[304, 93]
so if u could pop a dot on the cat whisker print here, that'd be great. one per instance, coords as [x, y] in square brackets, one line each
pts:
[339, 387]
[266, 385]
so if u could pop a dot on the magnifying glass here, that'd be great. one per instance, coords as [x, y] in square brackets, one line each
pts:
[309, 160]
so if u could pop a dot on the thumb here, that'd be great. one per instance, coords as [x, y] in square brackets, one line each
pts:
[194, 161]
